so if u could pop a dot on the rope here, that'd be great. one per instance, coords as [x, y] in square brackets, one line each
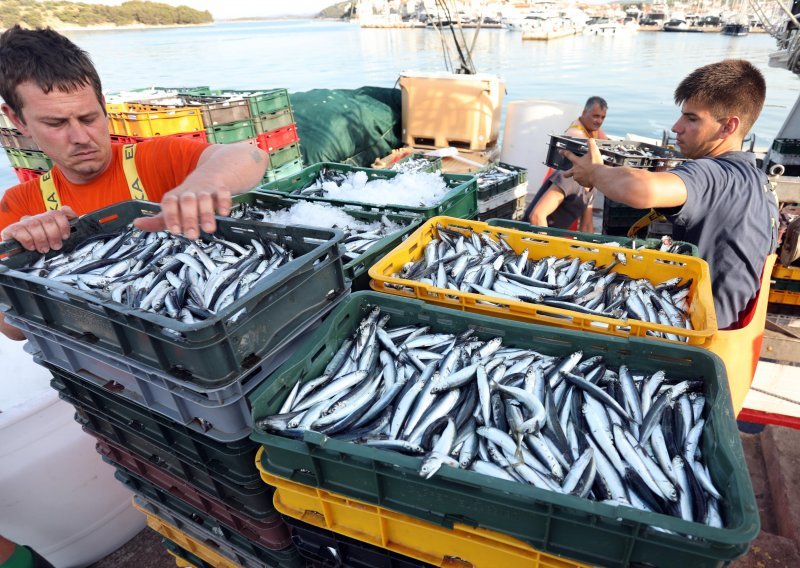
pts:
[772, 394]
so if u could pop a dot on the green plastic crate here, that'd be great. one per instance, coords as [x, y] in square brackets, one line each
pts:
[231, 132]
[554, 523]
[273, 120]
[210, 353]
[287, 170]
[787, 146]
[435, 162]
[461, 201]
[627, 242]
[285, 155]
[29, 159]
[493, 189]
[261, 102]
[786, 285]
[356, 269]
[232, 460]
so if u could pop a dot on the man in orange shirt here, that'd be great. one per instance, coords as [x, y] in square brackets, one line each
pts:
[561, 202]
[53, 94]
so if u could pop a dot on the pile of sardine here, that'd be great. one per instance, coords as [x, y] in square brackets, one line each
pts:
[630, 151]
[359, 236]
[479, 263]
[325, 176]
[415, 164]
[566, 424]
[165, 274]
[494, 175]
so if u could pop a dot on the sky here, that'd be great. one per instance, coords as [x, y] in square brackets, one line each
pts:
[226, 9]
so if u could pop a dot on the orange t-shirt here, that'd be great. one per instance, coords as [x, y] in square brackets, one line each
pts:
[162, 164]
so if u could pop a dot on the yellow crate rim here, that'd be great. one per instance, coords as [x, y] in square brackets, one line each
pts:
[480, 548]
[702, 313]
[785, 272]
[787, 297]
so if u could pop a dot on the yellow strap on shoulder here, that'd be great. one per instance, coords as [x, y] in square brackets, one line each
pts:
[52, 201]
[645, 221]
[135, 185]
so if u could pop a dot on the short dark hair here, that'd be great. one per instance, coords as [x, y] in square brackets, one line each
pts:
[45, 58]
[733, 87]
[591, 101]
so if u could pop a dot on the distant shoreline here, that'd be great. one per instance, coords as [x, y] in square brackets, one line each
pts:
[61, 27]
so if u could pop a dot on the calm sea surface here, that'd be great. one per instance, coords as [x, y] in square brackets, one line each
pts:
[636, 73]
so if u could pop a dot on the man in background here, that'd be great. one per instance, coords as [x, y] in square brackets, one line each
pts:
[562, 202]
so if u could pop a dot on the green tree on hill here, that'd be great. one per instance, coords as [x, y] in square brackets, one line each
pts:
[35, 14]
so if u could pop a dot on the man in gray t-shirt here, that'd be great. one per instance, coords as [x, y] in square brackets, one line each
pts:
[719, 201]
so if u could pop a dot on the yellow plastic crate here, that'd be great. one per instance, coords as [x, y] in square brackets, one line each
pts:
[784, 297]
[186, 542]
[654, 265]
[148, 122]
[785, 272]
[461, 546]
[181, 562]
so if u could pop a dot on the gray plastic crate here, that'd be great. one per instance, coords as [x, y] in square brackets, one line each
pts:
[220, 413]
[210, 353]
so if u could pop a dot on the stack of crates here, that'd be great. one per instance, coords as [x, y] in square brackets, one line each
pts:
[166, 401]
[785, 286]
[263, 118]
[460, 517]
[333, 492]
[502, 190]
[28, 161]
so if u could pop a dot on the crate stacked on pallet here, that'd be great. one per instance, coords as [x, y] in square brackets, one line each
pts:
[166, 400]
[28, 161]
[785, 286]
[502, 190]
[263, 118]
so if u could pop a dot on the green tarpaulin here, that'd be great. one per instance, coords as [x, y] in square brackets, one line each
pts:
[348, 126]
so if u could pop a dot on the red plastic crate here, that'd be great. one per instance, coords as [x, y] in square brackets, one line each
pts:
[24, 174]
[123, 139]
[270, 532]
[278, 138]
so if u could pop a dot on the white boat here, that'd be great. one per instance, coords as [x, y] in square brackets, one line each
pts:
[605, 26]
[550, 28]
[677, 25]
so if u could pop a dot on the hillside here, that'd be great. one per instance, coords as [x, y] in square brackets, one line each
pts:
[339, 11]
[65, 14]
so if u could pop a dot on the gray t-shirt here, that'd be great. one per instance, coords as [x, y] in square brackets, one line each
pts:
[731, 215]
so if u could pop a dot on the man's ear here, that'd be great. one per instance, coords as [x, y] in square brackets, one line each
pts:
[730, 126]
[15, 119]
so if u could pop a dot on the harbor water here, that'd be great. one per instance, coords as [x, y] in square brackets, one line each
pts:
[635, 72]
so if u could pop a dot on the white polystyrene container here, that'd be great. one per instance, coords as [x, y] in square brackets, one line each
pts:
[56, 494]
[447, 109]
[527, 131]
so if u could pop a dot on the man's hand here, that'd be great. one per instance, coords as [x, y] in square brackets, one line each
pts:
[583, 167]
[187, 209]
[42, 232]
